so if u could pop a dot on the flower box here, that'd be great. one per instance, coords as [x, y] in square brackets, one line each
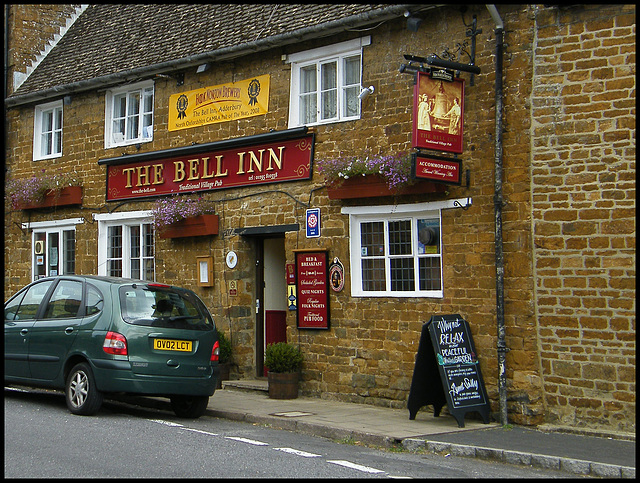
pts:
[194, 226]
[69, 195]
[373, 185]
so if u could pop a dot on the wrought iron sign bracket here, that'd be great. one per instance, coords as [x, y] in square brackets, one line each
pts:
[443, 66]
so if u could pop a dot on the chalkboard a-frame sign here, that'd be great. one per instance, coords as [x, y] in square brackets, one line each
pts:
[455, 355]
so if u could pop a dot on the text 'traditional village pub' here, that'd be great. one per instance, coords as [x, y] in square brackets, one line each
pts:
[338, 176]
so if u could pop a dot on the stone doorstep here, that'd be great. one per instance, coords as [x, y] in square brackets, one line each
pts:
[247, 385]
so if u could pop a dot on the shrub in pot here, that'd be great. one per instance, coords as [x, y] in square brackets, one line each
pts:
[224, 361]
[284, 362]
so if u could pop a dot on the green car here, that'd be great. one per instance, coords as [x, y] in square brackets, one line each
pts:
[92, 336]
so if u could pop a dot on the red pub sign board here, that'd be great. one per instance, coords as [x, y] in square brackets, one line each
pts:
[313, 294]
[438, 114]
[280, 161]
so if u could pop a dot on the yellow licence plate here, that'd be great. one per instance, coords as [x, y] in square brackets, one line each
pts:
[172, 345]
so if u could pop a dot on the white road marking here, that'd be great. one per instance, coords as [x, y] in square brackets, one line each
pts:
[168, 423]
[200, 431]
[297, 452]
[354, 466]
[249, 441]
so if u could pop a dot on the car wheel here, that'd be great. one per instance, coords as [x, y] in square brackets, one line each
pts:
[189, 406]
[81, 392]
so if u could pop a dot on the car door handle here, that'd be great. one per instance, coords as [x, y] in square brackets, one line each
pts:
[24, 331]
[172, 363]
[68, 330]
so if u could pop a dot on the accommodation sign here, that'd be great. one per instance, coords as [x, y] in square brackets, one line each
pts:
[225, 102]
[444, 170]
[312, 275]
[280, 161]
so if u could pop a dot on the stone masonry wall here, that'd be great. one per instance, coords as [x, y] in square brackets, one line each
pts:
[569, 238]
[583, 172]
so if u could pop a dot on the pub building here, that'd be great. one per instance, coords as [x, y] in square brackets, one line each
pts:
[336, 176]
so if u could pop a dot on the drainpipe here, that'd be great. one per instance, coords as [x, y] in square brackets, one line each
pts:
[498, 202]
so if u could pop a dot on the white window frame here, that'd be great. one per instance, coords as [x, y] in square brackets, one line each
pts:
[318, 57]
[126, 220]
[55, 109]
[144, 133]
[48, 228]
[386, 213]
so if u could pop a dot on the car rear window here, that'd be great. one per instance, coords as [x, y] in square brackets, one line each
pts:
[165, 307]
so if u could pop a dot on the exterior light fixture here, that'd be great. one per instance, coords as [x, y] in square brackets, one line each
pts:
[365, 92]
[413, 23]
[202, 68]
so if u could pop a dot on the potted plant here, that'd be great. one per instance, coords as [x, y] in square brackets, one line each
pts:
[181, 216]
[284, 362]
[62, 188]
[224, 361]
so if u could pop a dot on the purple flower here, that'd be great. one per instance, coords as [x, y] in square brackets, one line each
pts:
[396, 168]
[172, 209]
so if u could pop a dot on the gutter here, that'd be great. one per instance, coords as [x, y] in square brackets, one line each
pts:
[235, 51]
[498, 203]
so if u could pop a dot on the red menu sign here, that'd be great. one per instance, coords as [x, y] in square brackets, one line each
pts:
[288, 160]
[313, 295]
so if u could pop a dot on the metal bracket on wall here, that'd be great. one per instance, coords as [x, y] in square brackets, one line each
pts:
[461, 48]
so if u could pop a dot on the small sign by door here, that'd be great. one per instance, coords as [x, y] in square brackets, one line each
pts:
[313, 223]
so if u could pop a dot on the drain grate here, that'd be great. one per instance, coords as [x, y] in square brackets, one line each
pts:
[291, 414]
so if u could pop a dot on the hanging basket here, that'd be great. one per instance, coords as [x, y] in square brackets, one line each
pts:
[373, 185]
[200, 225]
[69, 195]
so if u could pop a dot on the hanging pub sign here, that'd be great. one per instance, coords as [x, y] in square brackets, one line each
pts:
[436, 168]
[225, 102]
[438, 113]
[275, 162]
[312, 275]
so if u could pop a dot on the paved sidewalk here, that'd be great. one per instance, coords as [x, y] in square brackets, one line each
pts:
[578, 454]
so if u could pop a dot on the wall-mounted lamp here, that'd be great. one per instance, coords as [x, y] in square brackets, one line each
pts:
[413, 23]
[366, 92]
[66, 100]
[202, 68]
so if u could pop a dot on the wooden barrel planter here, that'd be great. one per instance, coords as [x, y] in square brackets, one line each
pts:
[283, 385]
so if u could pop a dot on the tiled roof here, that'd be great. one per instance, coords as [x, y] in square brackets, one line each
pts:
[112, 43]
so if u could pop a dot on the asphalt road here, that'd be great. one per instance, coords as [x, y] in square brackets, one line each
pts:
[43, 440]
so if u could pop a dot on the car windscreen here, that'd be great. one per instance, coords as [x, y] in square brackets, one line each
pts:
[165, 307]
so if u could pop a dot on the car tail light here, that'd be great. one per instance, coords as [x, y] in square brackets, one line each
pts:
[215, 353]
[115, 343]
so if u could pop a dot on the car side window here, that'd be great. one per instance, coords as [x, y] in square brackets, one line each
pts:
[26, 306]
[95, 300]
[65, 301]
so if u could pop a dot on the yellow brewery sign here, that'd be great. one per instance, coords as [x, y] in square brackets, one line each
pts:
[226, 102]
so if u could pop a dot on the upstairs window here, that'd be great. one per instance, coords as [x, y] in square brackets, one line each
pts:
[129, 115]
[47, 133]
[325, 83]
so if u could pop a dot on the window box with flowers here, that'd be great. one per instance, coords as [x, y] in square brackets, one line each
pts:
[366, 176]
[180, 217]
[44, 191]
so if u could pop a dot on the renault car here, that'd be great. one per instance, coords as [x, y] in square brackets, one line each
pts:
[92, 336]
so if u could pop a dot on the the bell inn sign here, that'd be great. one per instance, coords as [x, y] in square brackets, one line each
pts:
[280, 161]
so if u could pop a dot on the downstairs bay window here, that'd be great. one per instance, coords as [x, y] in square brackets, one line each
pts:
[126, 245]
[396, 250]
